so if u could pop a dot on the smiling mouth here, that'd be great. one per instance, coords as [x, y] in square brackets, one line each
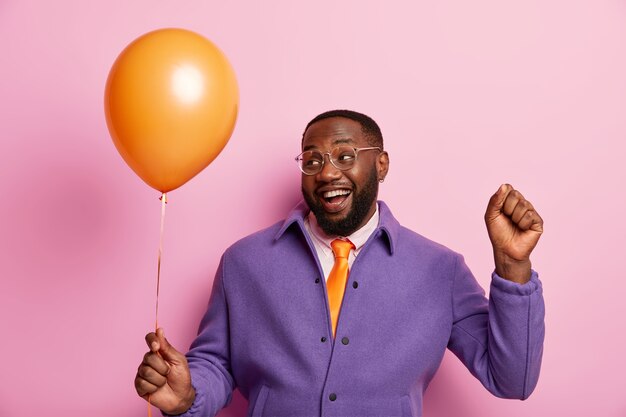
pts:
[336, 196]
[335, 201]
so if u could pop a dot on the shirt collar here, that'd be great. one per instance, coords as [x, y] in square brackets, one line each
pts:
[387, 224]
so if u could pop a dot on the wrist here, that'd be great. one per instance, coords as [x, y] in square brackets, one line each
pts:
[185, 403]
[511, 269]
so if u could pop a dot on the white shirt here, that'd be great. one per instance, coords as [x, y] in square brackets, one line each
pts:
[321, 241]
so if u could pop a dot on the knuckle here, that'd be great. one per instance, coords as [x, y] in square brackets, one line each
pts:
[145, 387]
[529, 205]
[143, 372]
[140, 386]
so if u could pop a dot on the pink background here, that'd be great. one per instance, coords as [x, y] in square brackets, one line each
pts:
[468, 94]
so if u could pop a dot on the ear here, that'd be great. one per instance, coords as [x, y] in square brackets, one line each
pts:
[382, 165]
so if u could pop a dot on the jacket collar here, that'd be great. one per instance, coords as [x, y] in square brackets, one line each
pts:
[388, 225]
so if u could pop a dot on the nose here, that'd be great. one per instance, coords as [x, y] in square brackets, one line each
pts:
[329, 172]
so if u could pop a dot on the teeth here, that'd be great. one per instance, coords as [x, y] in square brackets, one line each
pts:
[335, 193]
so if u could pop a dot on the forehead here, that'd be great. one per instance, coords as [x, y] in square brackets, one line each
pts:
[333, 131]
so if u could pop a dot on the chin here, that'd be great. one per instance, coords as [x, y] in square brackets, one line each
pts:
[338, 224]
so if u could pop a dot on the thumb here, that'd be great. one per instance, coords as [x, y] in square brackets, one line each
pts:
[167, 351]
[496, 202]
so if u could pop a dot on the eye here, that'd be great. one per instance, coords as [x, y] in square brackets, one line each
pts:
[311, 159]
[346, 157]
[311, 162]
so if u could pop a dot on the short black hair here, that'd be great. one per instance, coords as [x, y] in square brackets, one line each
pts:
[369, 127]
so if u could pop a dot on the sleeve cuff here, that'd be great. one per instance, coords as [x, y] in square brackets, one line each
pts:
[510, 287]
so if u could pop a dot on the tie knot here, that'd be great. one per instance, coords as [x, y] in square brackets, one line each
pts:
[341, 248]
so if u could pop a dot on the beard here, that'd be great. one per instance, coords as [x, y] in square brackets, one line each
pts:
[362, 201]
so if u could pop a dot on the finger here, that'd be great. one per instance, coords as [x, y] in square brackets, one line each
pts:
[144, 387]
[537, 223]
[156, 362]
[520, 210]
[152, 342]
[531, 221]
[511, 202]
[525, 222]
[151, 375]
[494, 207]
[169, 353]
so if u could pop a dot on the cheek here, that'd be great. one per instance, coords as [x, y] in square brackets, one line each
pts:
[308, 184]
[355, 176]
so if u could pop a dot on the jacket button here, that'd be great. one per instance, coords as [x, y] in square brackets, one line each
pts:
[355, 285]
[317, 280]
[323, 339]
[345, 340]
[332, 397]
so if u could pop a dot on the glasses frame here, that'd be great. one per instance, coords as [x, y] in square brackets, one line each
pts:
[321, 167]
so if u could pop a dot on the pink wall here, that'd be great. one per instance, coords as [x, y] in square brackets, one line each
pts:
[468, 94]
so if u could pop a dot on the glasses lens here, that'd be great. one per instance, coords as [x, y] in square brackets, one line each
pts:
[311, 162]
[343, 157]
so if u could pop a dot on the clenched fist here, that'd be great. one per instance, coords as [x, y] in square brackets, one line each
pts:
[163, 376]
[514, 228]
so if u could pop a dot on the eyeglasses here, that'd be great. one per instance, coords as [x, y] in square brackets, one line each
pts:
[342, 157]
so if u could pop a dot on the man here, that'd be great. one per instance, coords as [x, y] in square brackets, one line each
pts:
[368, 341]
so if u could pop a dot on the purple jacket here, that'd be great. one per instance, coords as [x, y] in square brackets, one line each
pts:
[267, 329]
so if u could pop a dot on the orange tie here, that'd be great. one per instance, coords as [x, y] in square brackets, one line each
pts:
[337, 279]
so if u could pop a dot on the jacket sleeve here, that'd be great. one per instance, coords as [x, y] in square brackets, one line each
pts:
[209, 355]
[499, 340]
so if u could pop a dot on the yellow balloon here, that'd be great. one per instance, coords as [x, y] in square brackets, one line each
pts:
[171, 103]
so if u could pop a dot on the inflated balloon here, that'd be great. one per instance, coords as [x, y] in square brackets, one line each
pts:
[171, 103]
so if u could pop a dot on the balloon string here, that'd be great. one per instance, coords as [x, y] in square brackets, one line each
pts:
[163, 199]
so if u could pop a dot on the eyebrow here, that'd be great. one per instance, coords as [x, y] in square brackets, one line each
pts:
[339, 141]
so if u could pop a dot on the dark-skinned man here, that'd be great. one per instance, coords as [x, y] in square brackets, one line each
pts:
[340, 311]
